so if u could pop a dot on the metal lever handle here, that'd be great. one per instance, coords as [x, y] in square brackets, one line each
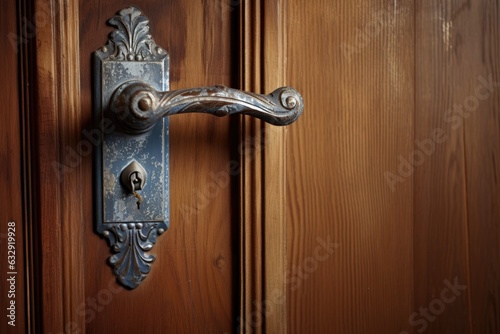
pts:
[136, 106]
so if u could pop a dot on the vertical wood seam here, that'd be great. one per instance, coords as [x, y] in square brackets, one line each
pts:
[275, 240]
[413, 266]
[27, 189]
[262, 219]
[467, 234]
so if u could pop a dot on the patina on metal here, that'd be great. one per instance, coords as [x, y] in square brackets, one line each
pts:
[132, 97]
[130, 216]
[136, 106]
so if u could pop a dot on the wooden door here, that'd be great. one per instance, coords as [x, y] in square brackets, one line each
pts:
[392, 172]
[192, 286]
[384, 194]
[211, 271]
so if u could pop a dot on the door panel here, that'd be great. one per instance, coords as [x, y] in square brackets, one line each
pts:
[349, 235]
[195, 283]
[395, 161]
[190, 288]
[391, 191]
[440, 220]
[459, 200]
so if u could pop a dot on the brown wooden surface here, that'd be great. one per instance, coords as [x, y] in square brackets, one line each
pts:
[459, 201]
[274, 171]
[400, 247]
[57, 195]
[373, 91]
[11, 155]
[479, 54]
[262, 193]
[358, 118]
[440, 218]
[190, 288]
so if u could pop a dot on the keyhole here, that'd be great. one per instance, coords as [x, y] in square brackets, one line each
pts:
[133, 177]
[136, 181]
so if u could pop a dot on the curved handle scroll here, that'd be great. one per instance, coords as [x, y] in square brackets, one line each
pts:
[136, 106]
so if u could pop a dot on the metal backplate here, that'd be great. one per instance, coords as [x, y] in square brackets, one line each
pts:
[132, 231]
[149, 149]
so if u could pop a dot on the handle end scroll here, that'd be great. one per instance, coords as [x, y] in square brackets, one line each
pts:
[290, 108]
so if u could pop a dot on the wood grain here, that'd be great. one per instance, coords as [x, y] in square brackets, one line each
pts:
[373, 240]
[191, 287]
[58, 192]
[262, 189]
[353, 63]
[274, 172]
[442, 228]
[476, 55]
[251, 318]
[11, 155]
[444, 78]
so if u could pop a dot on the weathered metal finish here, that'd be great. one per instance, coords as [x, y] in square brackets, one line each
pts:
[132, 229]
[136, 106]
[132, 93]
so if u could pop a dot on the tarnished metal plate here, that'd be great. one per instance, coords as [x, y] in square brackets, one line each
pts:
[149, 149]
[119, 149]
[130, 55]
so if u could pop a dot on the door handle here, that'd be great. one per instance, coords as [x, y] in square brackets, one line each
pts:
[131, 102]
[136, 106]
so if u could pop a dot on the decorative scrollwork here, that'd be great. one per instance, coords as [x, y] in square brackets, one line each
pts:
[131, 242]
[131, 40]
